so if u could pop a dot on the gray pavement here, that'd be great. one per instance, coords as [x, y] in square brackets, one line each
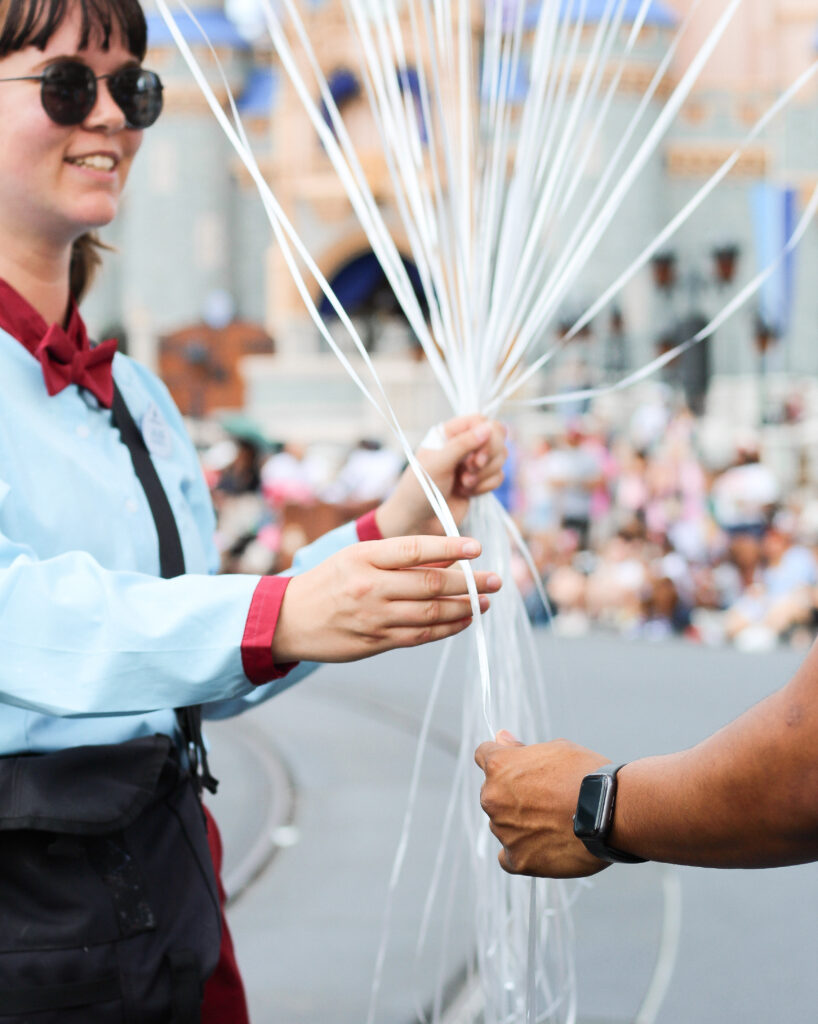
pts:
[319, 777]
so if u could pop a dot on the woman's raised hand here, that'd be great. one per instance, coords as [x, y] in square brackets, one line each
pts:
[379, 595]
[468, 463]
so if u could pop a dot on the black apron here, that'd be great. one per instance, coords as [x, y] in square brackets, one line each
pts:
[109, 909]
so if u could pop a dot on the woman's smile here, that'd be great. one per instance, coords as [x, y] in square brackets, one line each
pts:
[98, 166]
[99, 162]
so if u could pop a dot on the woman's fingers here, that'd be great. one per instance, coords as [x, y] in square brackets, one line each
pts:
[471, 442]
[415, 636]
[489, 484]
[492, 450]
[433, 582]
[475, 480]
[433, 613]
[362, 600]
[409, 552]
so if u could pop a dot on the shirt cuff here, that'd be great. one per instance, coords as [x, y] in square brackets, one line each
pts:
[257, 642]
[367, 527]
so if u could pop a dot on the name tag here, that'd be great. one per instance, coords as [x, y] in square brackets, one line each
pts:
[156, 433]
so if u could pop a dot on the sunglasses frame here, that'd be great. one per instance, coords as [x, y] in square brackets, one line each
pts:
[91, 83]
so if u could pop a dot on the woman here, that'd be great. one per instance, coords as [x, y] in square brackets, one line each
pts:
[108, 899]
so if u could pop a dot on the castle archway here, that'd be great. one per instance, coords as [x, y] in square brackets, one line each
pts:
[365, 293]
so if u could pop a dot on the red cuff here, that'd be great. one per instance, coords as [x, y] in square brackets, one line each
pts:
[367, 527]
[257, 642]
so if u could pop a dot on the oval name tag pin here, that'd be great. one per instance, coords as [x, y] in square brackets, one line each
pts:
[156, 433]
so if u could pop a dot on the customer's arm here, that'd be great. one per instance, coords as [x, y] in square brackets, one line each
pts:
[745, 797]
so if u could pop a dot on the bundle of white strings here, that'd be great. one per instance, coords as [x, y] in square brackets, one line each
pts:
[500, 230]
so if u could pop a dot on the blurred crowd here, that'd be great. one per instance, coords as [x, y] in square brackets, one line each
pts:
[642, 532]
[635, 528]
[272, 499]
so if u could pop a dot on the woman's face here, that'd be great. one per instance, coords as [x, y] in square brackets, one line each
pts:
[58, 182]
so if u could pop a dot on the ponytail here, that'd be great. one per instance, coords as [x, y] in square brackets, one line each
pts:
[86, 258]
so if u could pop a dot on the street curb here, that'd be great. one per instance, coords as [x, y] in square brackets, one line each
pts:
[277, 810]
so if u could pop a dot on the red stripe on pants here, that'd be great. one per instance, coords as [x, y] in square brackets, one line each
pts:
[224, 999]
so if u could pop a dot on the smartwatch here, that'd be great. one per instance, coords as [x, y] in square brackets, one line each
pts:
[595, 810]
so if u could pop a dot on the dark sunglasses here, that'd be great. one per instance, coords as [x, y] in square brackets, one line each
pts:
[68, 92]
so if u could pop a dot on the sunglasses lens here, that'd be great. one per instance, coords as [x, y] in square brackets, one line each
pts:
[138, 93]
[68, 92]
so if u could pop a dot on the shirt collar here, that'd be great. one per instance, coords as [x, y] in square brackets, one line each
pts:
[22, 321]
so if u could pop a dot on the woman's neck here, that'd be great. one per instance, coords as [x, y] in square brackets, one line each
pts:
[41, 277]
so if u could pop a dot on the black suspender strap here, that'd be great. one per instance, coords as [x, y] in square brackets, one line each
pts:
[171, 556]
[171, 563]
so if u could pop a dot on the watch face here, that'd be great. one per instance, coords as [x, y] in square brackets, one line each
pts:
[590, 806]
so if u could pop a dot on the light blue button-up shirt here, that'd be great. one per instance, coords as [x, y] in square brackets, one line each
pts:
[94, 647]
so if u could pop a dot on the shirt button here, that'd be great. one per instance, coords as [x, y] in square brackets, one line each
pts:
[131, 505]
[83, 431]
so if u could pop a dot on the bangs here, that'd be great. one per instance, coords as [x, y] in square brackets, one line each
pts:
[34, 22]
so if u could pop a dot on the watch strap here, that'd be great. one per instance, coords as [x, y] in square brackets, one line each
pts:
[597, 845]
[599, 848]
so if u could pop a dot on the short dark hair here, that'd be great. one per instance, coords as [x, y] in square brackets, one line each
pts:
[33, 22]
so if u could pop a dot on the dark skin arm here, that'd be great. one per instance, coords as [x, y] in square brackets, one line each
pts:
[746, 797]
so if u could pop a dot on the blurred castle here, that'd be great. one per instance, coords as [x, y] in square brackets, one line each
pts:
[194, 253]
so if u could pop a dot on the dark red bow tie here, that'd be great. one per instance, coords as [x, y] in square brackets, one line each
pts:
[65, 354]
[64, 363]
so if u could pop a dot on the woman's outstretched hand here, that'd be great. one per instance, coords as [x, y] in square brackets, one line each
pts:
[379, 595]
[469, 463]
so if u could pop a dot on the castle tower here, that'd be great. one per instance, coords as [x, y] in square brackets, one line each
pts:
[305, 182]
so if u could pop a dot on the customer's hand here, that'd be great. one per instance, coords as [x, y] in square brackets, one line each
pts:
[376, 596]
[530, 795]
[469, 463]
